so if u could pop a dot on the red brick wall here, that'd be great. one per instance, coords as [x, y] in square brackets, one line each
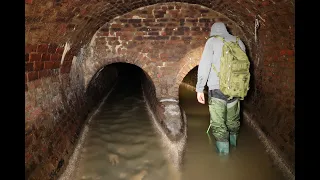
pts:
[165, 40]
[272, 96]
[44, 60]
[56, 107]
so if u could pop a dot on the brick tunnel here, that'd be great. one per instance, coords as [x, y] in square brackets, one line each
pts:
[71, 44]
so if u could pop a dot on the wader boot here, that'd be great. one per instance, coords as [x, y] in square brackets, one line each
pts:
[233, 121]
[218, 110]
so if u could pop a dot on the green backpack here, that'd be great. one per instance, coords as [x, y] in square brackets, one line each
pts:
[234, 75]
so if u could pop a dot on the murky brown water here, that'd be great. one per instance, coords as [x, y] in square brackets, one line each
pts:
[122, 144]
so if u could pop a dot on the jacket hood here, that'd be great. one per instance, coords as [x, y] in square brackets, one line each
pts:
[219, 28]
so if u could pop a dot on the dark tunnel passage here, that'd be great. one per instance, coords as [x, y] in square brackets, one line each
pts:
[119, 141]
[101, 82]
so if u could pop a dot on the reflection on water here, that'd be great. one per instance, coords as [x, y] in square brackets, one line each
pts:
[122, 144]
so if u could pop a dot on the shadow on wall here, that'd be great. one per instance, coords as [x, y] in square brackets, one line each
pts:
[251, 91]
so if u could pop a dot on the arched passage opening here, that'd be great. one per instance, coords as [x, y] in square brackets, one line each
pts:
[119, 129]
[103, 81]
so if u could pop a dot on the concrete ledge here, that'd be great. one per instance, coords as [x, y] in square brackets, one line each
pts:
[270, 148]
[170, 123]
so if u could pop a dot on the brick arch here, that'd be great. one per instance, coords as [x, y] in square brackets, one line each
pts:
[157, 37]
[189, 61]
[79, 20]
[99, 63]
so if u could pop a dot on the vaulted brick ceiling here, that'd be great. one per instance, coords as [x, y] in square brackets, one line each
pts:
[59, 21]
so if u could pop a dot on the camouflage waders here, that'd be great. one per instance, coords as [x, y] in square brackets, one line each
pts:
[224, 119]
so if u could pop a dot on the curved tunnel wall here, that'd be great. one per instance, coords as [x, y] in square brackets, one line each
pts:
[56, 109]
[150, 95]
[100, 84]
[50, 24]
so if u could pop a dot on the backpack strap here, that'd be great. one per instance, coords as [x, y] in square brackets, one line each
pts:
[215, 70]
[219, 37]
[237, 39]
[223, 40]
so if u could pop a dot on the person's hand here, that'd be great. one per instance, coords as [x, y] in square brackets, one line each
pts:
[200, 97]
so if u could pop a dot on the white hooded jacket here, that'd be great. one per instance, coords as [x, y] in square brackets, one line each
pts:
[211, 55]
